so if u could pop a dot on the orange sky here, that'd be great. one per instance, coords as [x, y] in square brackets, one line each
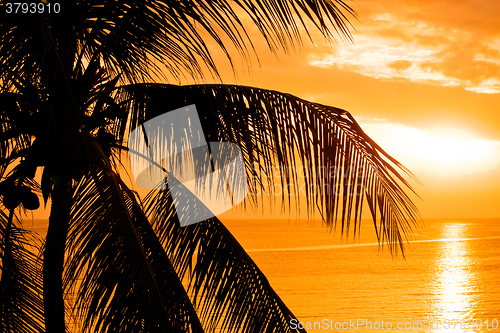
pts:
[423, 79]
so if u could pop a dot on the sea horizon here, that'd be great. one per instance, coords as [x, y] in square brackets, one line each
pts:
[447, 274]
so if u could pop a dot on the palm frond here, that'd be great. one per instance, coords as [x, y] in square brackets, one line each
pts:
[21, 304]
[229, 291]
[129, 35]
[277, 129]
[136, 37]
[16, 129]
[127, 281]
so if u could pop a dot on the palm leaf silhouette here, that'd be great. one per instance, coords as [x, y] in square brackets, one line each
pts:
[72, 86]
[276, 129]
[128, 282]
[227, 288]
[21, 305]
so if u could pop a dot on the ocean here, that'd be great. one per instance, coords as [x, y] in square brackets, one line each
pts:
[448, 281]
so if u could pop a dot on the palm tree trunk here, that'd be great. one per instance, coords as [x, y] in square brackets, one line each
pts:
[53, 262]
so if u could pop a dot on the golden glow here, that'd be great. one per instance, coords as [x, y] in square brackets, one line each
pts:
[448, 153]
[418, 63]
[454, 278]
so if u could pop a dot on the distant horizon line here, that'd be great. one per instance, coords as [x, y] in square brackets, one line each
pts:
[338, 246]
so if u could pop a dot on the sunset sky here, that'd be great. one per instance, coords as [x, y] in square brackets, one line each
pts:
[420, 77]
[423, 79]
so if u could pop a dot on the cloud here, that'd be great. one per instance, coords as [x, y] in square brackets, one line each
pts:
[400, 65]
[441, 42]
[376, 56]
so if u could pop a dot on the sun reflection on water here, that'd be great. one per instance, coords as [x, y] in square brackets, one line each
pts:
[454, 288]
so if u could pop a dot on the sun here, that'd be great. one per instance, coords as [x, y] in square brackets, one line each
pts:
[443, 151]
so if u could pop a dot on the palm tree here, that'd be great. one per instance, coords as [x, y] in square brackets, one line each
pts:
[73, 84]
